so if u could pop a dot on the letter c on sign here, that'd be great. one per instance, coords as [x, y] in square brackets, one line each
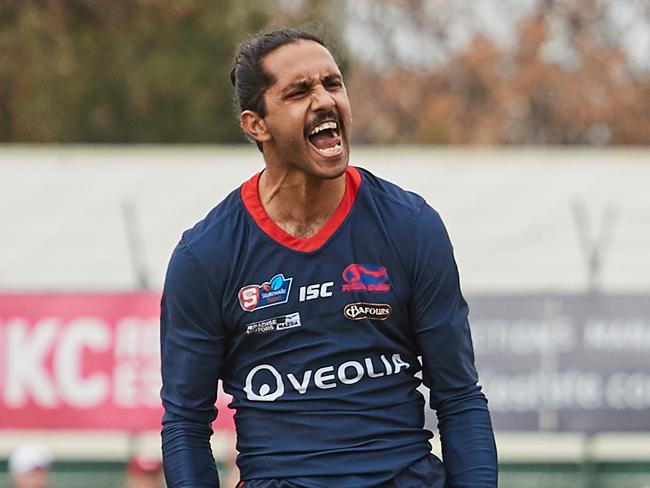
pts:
[82, 333]
[265, 394]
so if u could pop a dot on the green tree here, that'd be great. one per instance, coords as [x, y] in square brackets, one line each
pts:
[128, 70]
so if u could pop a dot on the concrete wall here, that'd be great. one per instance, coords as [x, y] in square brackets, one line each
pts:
[509, 212]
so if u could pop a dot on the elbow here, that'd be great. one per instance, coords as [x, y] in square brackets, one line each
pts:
[180, 432]
[459, 401]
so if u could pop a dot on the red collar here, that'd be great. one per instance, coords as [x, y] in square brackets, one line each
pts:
[251, 198]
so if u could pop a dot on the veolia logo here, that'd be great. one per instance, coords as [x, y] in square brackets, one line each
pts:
[324, 378]
[265, 394]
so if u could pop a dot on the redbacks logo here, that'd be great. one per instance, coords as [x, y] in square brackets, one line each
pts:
[272, 292]
[362, 311]
[365, 277]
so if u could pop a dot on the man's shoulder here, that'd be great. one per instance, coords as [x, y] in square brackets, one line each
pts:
[405, 213]
[218, 227]
[389, 194]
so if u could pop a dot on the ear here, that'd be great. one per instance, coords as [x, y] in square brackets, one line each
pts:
[254, 126]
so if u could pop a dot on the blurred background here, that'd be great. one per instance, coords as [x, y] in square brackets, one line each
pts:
[525, 123]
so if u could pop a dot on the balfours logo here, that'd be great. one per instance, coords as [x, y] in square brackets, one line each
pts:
[365, 277]
[372, 311]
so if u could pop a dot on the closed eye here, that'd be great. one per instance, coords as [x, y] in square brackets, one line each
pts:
[333, 81]
[298, 89]
[296, 93]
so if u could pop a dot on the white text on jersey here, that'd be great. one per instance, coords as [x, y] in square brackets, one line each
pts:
[317, 290]
[324, 378]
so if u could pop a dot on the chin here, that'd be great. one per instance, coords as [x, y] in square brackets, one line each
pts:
[332, 169]
[331, 166]
[333, 175]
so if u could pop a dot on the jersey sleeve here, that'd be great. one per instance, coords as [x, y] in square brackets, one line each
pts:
[193, 342]
[438, 314]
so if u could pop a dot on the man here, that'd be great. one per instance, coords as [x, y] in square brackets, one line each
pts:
[311, 291]
[29, 466]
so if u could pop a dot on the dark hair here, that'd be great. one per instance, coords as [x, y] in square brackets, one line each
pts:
[249, 78]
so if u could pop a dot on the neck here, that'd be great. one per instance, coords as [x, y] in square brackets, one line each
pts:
[298, 203]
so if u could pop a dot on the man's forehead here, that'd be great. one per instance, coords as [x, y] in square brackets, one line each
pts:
[298, 61]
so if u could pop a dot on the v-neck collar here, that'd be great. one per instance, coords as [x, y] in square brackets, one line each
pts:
[251, 197]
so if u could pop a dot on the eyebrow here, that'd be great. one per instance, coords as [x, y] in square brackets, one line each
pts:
[302, 84]
[306, 84]
[332, 77]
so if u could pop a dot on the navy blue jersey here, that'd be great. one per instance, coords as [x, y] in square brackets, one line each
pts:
[318, 340]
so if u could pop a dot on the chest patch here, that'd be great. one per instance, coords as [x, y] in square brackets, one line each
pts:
[272, 292]
[365, 277]
[363, 310]
[275, 323]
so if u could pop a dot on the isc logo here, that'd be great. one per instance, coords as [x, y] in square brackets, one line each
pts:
[317, 290]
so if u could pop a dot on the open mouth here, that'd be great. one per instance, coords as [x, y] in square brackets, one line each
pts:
[325, 138]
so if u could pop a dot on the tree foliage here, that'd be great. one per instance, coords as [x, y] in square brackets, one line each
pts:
[124, 70]
[563, 79]
[158, 70]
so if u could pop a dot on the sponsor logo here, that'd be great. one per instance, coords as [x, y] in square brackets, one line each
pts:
[317, 290]
[264, 383]
[365, 277]
[372, 311]
[273, 292]
[276, 323]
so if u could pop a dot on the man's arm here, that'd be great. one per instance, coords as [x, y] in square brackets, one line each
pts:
[439, 318]
[192, 352]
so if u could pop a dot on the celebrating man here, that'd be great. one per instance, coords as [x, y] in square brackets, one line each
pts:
[312, 291]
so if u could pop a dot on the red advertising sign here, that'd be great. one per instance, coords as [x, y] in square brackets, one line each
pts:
[82, 361]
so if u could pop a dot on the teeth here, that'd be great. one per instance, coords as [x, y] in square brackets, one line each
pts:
[330, 151]
[324, 126]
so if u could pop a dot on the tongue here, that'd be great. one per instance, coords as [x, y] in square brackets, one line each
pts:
[324, 139]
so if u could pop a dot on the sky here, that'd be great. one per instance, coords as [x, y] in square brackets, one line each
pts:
[373, 25]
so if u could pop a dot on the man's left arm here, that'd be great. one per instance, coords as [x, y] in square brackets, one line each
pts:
[439, 319]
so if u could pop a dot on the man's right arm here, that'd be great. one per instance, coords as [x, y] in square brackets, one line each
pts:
[192, 350]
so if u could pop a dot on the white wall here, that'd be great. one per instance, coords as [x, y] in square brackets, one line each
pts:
[508, 211]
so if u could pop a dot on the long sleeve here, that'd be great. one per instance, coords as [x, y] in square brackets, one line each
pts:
[192, 353]
[439, 319]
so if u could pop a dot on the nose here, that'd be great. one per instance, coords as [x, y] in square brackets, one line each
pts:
[322, 99]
